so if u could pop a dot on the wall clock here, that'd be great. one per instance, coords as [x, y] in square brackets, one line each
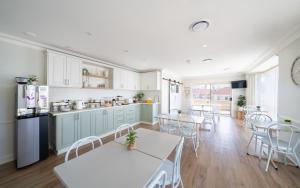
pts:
[295, 72]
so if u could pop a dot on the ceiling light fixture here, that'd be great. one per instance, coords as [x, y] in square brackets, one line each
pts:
[126, 51]
[31, 34]
[208, 60]
[188, 61]
[200, 26]
[204, 45]
[88, 33]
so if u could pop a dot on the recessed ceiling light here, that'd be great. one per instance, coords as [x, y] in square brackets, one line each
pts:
[200, 26]
[88, 33]
[126, 51]
[204, 45]
[31, 34]
[208, 60]
[188, 61]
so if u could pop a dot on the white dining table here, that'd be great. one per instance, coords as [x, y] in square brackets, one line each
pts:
[112, 165]
[185, 118]
[156, 144]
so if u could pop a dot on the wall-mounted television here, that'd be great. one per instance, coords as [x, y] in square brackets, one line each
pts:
[239, 84]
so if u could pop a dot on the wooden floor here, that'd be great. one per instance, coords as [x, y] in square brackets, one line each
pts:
[222, 162]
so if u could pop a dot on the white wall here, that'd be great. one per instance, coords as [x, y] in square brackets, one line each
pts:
[288, 92]
[14, 61]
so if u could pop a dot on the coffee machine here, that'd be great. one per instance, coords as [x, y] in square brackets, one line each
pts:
[32, 108]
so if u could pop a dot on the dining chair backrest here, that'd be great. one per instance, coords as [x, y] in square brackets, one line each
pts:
[284, 137]
[159, 181]
[259, 118]
[121, 128]
[248, 109]
[81, 142]
[191, 124]
[176, 170]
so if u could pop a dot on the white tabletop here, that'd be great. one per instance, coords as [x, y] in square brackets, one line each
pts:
[154, 143]
[184, 118]
[108, 166]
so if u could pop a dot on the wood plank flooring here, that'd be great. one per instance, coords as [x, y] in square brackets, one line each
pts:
[222, 162]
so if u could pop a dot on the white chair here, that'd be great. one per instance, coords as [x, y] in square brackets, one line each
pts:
[255, 119]
[248, 110]
[173, 168]
[166, 124]
[190, 130]
[282, 139]
[209, 118]
[121, 128]
[81, 142]
[216, 112]
[159, 181]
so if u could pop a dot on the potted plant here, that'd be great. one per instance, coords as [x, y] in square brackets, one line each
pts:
[32, 80]
[140, 95]
[241, 102]
[130, 140]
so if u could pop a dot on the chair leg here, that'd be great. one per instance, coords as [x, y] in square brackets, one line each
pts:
[195, 148]
[269, 159]
[255, 144]
[285, 159]
[297, 160]
[260, 152]
[249, 143]
[181, 183]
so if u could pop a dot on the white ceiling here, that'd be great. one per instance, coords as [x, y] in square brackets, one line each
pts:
[155, 34]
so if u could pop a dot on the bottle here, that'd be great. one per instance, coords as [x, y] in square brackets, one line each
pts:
[114, 102]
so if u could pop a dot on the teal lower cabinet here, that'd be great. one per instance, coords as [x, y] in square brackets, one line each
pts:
[65, 133]
[119, 116]
[84, 125]
[97, 122]
[108, 120]
[102, 121]
[130, 114]
[149, 113]
[70, 127]
[137, 109]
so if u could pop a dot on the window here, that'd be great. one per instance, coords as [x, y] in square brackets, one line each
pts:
[213, 94]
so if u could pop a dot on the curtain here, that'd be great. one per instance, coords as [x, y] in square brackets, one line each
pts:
[262, 90]
[251, 89]
[267, 91]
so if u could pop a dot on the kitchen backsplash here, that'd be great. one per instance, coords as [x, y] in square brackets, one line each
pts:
[57, 94]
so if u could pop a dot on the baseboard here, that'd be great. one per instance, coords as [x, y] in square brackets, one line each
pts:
[148, 123]
[6, 159]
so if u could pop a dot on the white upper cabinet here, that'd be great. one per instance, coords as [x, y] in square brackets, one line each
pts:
[150, 80]
[117, 81]
[63, 70]
[136, 81]
[74, 73]
[56, 69]
[124, 79]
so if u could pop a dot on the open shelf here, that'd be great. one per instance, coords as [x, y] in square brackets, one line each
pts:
[95, 76]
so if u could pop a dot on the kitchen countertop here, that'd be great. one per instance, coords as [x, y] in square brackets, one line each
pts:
[92, 109]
